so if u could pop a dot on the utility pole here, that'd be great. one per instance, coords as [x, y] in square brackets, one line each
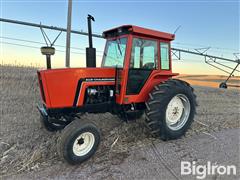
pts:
[68, 36]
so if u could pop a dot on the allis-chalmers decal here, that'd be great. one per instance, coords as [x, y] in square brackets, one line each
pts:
[99, 79]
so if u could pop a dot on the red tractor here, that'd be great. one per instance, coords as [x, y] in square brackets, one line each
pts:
[135, 78]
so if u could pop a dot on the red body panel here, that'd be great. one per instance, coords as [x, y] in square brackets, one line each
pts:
[84, 87]
[60, 84]
[145, 32]
[155, 78]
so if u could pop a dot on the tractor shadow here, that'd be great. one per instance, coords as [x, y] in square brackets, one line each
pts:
[118, 139]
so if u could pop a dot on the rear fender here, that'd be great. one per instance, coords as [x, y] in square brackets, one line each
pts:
[154, 79]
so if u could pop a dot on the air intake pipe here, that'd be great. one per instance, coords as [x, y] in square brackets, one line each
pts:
[90, 51]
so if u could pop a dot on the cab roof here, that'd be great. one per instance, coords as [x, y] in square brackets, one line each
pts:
[131, 29]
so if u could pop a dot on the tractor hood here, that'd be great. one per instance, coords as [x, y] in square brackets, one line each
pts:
[61, 88]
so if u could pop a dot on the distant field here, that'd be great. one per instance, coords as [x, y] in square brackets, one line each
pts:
[210, 80]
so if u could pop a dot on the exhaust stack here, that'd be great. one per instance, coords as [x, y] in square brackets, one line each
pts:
[90, 51]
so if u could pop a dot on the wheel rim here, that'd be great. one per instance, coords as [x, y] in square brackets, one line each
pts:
[178, 111]
[223, 85]
[83, 144]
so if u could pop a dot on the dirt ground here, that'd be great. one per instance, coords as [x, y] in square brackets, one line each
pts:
[127, 150]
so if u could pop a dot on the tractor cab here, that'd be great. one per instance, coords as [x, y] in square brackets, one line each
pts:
[144, 44]
[137, 53]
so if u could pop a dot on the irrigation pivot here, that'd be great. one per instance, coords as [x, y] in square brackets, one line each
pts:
[214, 61]
[47, 27]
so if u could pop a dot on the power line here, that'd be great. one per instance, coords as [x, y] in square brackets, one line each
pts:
[38, 42]
[3, 42]
[29, 46]
[200, 45]
[82, 49]
[210, 49]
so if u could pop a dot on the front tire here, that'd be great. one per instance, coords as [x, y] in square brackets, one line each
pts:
[78, 141]
[170, 109]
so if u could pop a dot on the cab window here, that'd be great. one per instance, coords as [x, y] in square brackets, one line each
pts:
[114, 53]
[164, 51]
[144, 54]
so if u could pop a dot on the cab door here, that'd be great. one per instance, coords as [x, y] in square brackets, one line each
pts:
[143, 60]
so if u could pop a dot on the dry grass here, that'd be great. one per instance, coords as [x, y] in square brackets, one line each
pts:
[26, 147]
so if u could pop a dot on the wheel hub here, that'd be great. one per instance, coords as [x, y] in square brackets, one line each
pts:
[83, 144]
[80, 141]
[177, 112]
[174, 110]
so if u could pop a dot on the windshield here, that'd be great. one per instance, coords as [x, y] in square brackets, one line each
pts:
[114, 53]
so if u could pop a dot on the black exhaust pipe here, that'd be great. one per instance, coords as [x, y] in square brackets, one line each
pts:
[90, 51]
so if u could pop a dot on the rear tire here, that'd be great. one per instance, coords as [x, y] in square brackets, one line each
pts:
[170, 109]
[79, 141]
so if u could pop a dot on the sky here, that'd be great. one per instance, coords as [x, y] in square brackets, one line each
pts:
[206, 23]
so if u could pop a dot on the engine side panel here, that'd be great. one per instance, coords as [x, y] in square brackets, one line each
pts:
[85, 85]
[61, 85]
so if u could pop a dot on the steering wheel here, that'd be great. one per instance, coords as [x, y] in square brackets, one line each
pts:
[148, 66]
